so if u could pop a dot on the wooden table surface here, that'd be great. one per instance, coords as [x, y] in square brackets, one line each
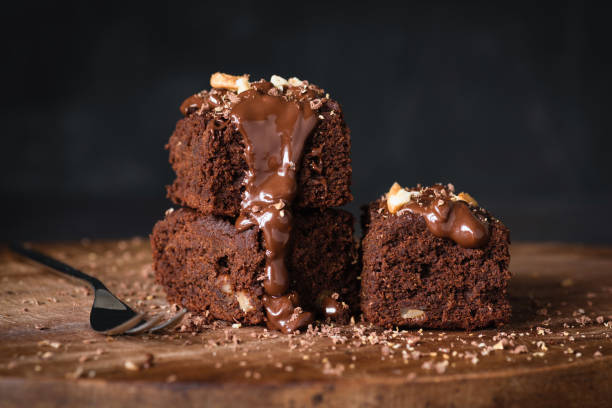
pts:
[557, 351]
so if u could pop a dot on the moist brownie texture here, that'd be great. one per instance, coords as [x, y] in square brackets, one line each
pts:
[415, 277]
[207, 151]
[205, 264]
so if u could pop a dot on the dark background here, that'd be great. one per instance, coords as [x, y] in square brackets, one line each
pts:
[509, 102]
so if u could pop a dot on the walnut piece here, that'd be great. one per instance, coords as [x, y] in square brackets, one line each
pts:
[230, 82]
[463, 196]
[293, 81]
[244, 301]
[279, 82]
[414, 314]
[243, 84]
[397, 197]
[224, 284]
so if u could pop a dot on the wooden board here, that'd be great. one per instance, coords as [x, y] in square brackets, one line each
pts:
[557, 349]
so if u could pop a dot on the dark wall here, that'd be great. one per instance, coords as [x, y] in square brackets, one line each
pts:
[510, 103]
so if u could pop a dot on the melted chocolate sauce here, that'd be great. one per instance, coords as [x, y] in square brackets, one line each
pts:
[331, 307]
[191, 104]
[447, 218]
[274, 132]
[316, 155]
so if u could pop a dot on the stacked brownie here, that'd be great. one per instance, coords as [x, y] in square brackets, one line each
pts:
[258, 167]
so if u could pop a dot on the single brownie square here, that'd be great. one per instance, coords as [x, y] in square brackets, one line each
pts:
[207, 150]
[433, 259]
[206, 265]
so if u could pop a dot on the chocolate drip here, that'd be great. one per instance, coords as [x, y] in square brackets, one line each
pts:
[285, 314]
[274, 132]
[316, 156]
[448, 218]
[193, 103]
[331, 307]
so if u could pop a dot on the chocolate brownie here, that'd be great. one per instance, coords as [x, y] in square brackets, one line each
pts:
[433, 259]
[207, 149]
[209, 266]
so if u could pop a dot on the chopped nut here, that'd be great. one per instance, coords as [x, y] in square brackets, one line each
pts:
[131, 366]
[441, 366]
[499, 345]
[395, 188]
[243, 84]
[279, 82]
[397, 197]
[463, 196]
[415, 314]
[244, 301]
[230, 82]
[293, 81]
[224, 284]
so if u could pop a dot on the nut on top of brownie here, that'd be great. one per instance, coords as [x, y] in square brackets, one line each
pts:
[226, 91]
[448, 215]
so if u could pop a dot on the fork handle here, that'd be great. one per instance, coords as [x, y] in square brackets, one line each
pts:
[56, 265]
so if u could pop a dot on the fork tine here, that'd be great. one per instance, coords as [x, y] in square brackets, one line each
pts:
[125, 326]
[145, 326]
[171, 322]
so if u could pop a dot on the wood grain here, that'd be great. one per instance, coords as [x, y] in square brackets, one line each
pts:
[561, 296]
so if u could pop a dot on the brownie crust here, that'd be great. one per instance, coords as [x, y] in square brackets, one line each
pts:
[207, 266]
[412, 278]
[207, 153]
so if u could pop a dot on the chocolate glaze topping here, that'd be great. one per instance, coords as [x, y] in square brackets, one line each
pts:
[274, 131]
[219, 101]
[330, 306]
[447, 217]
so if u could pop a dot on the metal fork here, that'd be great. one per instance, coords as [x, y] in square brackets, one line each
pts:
[109, 315]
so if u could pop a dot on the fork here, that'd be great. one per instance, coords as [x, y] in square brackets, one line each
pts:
[109, 315]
